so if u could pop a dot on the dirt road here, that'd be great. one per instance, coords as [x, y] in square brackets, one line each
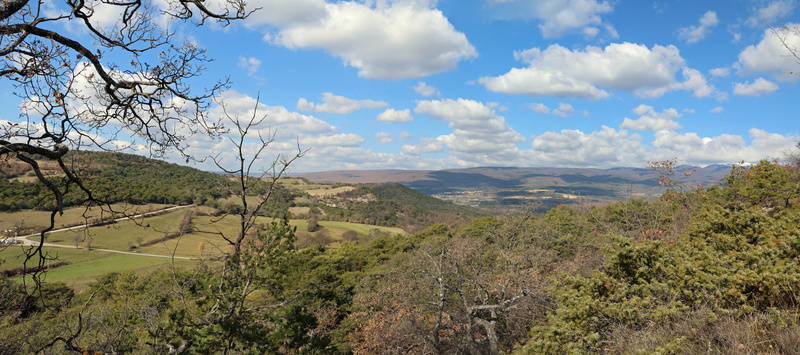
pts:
[25, 241]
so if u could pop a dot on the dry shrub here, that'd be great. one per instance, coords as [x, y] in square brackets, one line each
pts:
[704, 332]
[306, 240]
[17, 271]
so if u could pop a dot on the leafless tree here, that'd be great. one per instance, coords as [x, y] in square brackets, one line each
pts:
[784, 33]
[128, 80]
[459, 294]
[256, 253]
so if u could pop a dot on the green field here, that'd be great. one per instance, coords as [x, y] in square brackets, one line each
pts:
[86, 266]
[205, 241]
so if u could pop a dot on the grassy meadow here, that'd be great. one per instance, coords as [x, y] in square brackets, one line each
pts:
[72, 216]
[203, 242]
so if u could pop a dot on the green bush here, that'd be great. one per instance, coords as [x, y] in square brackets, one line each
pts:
[733, 263]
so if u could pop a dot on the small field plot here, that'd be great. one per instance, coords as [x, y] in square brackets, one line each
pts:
[122, 235]
[86, 266]
[72, 216]
[333, 234]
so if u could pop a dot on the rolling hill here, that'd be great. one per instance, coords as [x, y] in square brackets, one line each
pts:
[511, 186]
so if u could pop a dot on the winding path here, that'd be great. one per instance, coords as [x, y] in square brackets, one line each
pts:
[27, 242]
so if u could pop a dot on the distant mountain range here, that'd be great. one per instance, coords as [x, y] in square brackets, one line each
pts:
[487, 186]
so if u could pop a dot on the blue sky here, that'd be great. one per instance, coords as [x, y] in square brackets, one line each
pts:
[424, 84]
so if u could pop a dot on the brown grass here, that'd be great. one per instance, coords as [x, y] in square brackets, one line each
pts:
[705, 332]
[72, 216]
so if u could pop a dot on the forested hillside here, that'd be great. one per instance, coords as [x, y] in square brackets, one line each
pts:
[392, 204]
[112, 177]
[133, 179]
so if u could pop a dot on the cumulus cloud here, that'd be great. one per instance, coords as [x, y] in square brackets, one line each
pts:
[277, 118]
[383, 40]
[331, 140]
[393, 116]
[643, 110]
[564, 110]
[650, 120]
[695, 82]
[758, 87]
[771, 56]
[338, 104]
[285, 128]
[425, 145]
[717, 109]
[479, 134]
[770, 13]
[694, 34]
[723, 148]
[720, 72]
[284, 13]
[426, 90]
[607, 147]
[250, 64]
[538, 108]
[558, 71]
[384, 137]
[559, 16]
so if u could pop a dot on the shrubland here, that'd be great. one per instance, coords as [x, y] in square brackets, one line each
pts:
[696, 271]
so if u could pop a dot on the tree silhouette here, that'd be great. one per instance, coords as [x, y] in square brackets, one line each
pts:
[129, 79]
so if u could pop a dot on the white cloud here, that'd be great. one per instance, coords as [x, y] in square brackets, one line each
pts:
[612, 32]
[561, 72]
[287, 129]
[425, 146]
[759, 87]
[338, 104]
[603, 148]
[720, 72]
[538, 108]
[278, 118]
[558, 16]
[332, 140]
[591, 32]
[694, 34]
[479, 134]
[426, 90]
[647, 110]
[771, 13]
[250, 65]
[283, 13]
[393, 116]
[723, 148]
[771, 56]
[695, 82]
[717, 109]
[647, 123]
[564, 110]
[382, 39]
[384, 137]
[650, 120]
[404, 135]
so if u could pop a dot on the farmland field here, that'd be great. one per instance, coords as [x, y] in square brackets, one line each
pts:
[203, 242]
